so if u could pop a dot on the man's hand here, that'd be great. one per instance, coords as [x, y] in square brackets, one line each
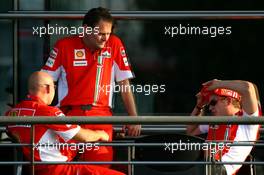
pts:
[129, 102]
[132, 130]
[200, 102]
[219, 170]
[104, 136]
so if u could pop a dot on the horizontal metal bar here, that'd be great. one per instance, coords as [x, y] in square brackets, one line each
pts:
[123, 144]
[128, 15]
[15, 163]
[129, 163]
[146, 11]
[153, 129]
[4, 120]
[14, 144]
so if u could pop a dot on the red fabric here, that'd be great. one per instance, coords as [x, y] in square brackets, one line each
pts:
[33, 106]
[74, 170]
[87, 77]
[227, 93]
[220, 92]
[218, 134]
[104, 153]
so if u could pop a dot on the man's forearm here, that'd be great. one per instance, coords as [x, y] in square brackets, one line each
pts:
[87, 135]
[129, 103]
[128, 98]
[194, 129]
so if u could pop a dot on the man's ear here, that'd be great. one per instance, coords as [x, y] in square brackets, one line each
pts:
[48, 89]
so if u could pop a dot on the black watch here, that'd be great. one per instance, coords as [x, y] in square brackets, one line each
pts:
[219, 169]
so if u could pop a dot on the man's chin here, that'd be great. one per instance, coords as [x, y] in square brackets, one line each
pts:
[100, 46]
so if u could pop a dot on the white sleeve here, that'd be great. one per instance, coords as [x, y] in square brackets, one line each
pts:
[69, 134]
[122, 74]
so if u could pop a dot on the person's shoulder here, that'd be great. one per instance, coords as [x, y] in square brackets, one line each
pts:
[45, 110]
[114, 39]
[24, 104]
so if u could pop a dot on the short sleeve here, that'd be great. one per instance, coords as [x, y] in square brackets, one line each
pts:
[65, 131]
[122, 65]
[53, 63]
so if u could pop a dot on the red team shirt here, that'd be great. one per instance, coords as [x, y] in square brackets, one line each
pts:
[86, 77]
[233, 133]
[51, 133]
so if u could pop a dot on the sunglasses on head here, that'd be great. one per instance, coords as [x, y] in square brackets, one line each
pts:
[213, 102]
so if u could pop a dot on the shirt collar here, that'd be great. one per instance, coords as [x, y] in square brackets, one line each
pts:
[35, 98]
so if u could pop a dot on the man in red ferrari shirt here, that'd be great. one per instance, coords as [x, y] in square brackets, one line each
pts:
[228, 98]
[86, 69]
[41, 94]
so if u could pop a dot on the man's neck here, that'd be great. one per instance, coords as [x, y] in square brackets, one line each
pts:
[88, 45]
[40, 97]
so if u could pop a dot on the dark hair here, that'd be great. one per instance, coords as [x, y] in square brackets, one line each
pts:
[93, 16]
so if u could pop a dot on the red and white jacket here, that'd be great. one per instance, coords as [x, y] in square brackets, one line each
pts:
[45, 134]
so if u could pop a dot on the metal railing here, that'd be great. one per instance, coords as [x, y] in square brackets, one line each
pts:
[4, 120]
[135, 15]
[133, 120]
[153, 129]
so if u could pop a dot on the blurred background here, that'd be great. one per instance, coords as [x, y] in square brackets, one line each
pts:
[180, 63]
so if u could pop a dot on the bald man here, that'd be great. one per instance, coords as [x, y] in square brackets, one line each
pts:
[41, 93]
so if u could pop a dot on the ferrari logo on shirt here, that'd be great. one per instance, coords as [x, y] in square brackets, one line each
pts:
[125, 61]
[54, 53]
[106, 53]
[122, 51]
[79, 54]
[59, 114]
[50, 62]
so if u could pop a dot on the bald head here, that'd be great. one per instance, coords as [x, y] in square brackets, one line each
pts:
[41, 84]
[38, 78]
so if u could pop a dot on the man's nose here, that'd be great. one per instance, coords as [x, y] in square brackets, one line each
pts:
[104, 37]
